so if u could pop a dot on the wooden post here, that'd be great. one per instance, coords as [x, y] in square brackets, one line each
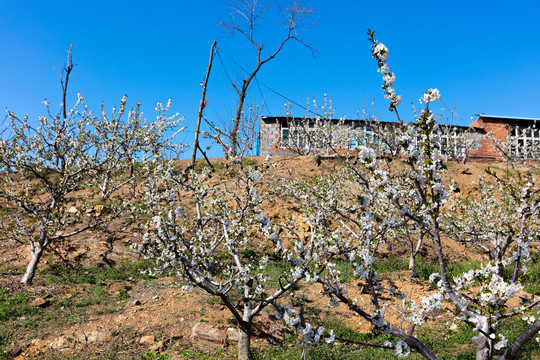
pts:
[202, 105]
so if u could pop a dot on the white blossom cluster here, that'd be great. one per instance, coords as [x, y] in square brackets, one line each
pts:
[430, 96]
[489, 289]
[313, 336]
[318, 134]
[123, 142]
[380, 52]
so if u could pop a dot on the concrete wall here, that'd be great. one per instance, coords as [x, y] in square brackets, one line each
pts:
[270, 134]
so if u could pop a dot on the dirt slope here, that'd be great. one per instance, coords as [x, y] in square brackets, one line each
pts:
[135, 308]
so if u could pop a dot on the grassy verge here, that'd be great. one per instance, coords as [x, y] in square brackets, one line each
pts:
[446, 345]
[20, 320]
[62, 274]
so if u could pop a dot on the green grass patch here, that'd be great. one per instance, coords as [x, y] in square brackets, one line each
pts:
[342, 330]
[8, 268]
[108, 202]
[249, 162]
[248, 254]
[424, 269]
[95, 296]
[531, 280]
[275, 269]
[385, 265]
[188, 354]
[200, 165]
[390, 264]
[150, 355]
[14, 305]
[61, 274]
[328, 352]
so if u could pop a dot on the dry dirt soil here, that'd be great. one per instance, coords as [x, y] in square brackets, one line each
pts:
[142, 315]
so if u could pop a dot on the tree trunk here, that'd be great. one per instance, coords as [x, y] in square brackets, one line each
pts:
[244, 342]
[238, 118]
[481, 345]
[36, 253]
[105, 188]
[515, 273]
[500, 267]
[412, 265]
[414, 252]
[305, 353]
[245, 327]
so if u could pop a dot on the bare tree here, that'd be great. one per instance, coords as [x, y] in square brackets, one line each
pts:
[244, 17]
[202, 106]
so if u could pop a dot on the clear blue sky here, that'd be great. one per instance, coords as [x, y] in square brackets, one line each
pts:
[482, 56]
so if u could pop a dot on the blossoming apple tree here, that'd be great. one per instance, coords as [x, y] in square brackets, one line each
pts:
[215, 235]
[375, 201]
[122, 138]
[506, 231]
[44, 164]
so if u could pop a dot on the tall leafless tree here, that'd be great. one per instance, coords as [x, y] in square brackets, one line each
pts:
[244, 17]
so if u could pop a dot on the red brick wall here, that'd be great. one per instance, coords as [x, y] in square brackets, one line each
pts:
[498, 129]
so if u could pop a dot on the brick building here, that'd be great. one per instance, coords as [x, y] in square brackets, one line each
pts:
[274, 130]
[517, 133]
[511, 135]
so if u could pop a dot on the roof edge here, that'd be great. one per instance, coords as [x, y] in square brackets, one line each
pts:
[507, 117]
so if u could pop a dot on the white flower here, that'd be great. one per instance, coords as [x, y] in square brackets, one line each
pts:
[430, 96]
[384, 69]
[289, 319]
[389, 79]
[433, 277]
[333, 303]
[331, 338]
[529, 319]
[381, 51]
[402, 350]
[502, 343]
[367, 156]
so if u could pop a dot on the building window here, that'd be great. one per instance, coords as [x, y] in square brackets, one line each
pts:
[453, 142]
[362, 135]
[524, 142]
